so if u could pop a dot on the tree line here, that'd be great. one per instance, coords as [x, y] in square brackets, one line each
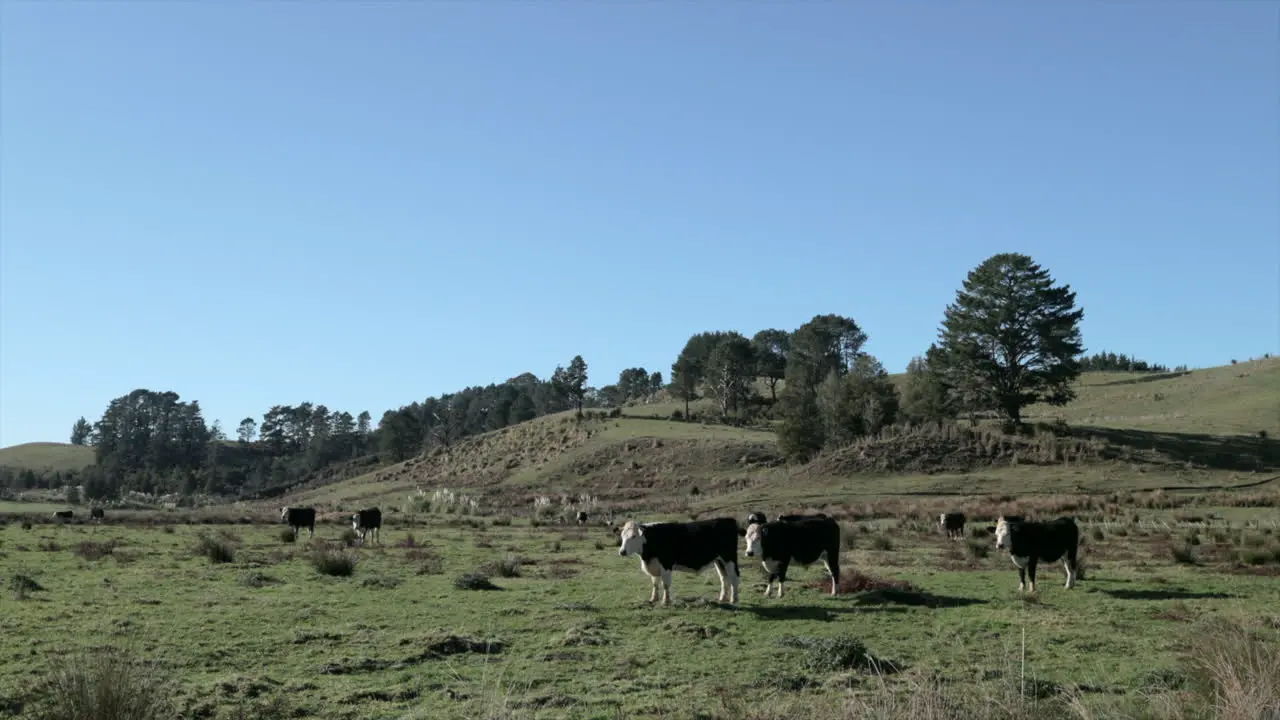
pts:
[1011, 338]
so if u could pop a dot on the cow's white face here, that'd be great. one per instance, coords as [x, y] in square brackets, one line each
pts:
[284, 513]
[632, 537]
[355, 521]
[1002, 533]
[754, 544]
[942, 519]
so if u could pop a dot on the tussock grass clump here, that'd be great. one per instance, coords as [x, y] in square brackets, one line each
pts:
[882, 542]
[287, 535]
[333, 562]
[258, 580]
[90, 550]
[508, 567]
[216, 549]
[834, 654]
[978, 549]
[1240, 670]
[106, 684]
[474, 581]
[22, 584]
[348, 538]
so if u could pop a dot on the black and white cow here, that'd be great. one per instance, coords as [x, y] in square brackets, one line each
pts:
[63, 514]
[581, 517]
[952, 524]
[756, 517]
[369, 519]
[1031, 542]
[687, 546]
[97, 514]
[802, 539]
[299, 518]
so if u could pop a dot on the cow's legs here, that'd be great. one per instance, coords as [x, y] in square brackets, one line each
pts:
[833, 569]
[653, 595]
[1031, 573]
[732, 569]
[724, 585]
[666, 586]
[312, 528]
[1022, 579]
[1069, 562]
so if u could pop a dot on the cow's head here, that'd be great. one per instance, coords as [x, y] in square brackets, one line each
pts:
[355, 521]
[284, 513]
[942, 519]
[755, 539]
[632, 539]
[756, 517]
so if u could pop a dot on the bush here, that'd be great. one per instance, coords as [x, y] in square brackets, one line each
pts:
[218, 550]
[978, 549]
[507, 568]
[1182, 555]
[288, 536]
[348, 537]
[833, 654]
[335, 563]
[108, 684]
[881, 542]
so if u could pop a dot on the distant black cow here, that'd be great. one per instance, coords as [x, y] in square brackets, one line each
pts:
[798, 538]
[63, 514]
[581, 517]
[97, 514]
[952, 524]
[761, 518]
[299, 518]
[365, 521]
[1029, 543]
[685, 546]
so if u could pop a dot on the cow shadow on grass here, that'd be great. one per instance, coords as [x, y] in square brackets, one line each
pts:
[1163, 594]
[800, 612]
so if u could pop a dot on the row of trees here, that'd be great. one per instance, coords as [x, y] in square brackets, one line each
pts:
[1011, 338]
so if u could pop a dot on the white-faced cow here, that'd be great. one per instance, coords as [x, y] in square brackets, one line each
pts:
[581, 517]
[299, 518]
[802, 539]
[952, 524]
[63, 514]
[687, 546]
[369, 519]
[1030, 542]
[97, 514]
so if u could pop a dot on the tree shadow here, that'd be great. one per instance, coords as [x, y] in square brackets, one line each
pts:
[913, 598]
[1220, 452]
[1146, 378]
[1165, 594]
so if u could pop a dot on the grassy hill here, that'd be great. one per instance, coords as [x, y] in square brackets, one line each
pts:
[1128, 431]
[46, 456]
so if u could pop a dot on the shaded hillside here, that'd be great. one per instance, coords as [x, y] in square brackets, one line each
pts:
[46, 456]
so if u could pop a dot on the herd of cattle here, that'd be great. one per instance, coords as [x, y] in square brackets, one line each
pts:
[664, 547]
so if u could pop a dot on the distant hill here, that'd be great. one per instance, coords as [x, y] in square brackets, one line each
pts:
[46, 456]
[1130, 420]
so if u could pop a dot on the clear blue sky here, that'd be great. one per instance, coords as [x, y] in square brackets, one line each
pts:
[365, 204]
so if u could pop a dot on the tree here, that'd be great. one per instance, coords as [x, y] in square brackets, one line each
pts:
[729, 371]
[684, 379]
[1013, 336]
[246, 430]
[655, 382]
[826, 346]
[81, 431]
[571, 383]
[771, 350]
[925, 397]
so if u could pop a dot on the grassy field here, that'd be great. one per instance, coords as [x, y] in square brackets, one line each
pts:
[46, 456]
[568, 632]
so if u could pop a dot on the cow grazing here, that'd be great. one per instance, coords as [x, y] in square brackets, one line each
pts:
[581, 517]
[800, 539]
[97, 514]
[299, 518]
[686, 546]
[952, 524]
[369, 519]
[1029, 543]
[63, 514]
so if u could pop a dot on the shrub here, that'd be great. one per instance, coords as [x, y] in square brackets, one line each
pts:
[335, 563]
[881, 542]
[107, 684]
[507, 568]
[978, 549]
[1183, 555]
[288, 536]
[348, 538]
[218, 550]
[833, 654]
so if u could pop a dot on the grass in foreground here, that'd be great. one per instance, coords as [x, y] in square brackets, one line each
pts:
[567, 631]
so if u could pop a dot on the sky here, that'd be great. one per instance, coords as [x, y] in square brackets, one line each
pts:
[367, 204]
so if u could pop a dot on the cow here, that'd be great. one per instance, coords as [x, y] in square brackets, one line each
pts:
[686, 546]
[581, 517]
[760, 518]
[97, 514]
[299, 518]
[63, 514]
[800, 539]
[366, 520]
[1030, 542]
[952, 524]
[756, 517]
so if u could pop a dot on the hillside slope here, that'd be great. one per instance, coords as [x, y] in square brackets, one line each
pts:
[1168, 423]
[46, 456]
